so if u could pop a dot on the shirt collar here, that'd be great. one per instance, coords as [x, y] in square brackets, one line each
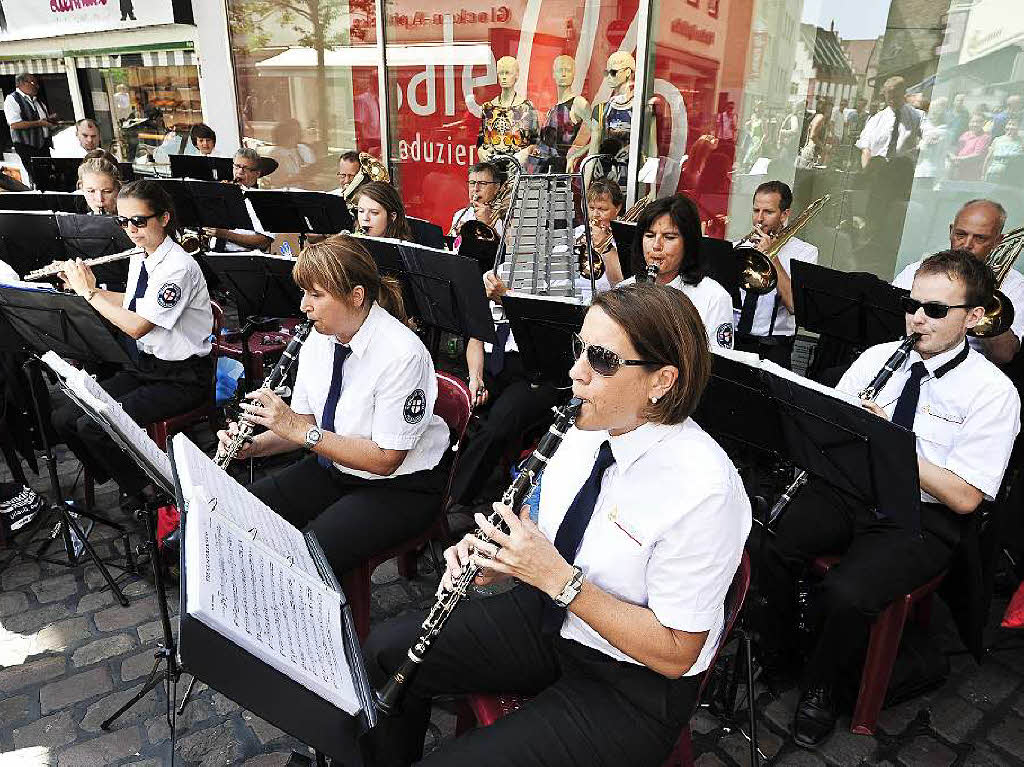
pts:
[934, 363]
[154, 259]
[364, 336]
[628, 447]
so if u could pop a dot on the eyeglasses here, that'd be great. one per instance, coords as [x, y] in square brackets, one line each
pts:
[246, 168]
[139, 222]
[614, 72]
[477, 184]
[934, 309]
[604, 362]
[349, 176]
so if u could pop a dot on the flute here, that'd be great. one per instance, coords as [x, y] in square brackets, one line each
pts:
[57, 266]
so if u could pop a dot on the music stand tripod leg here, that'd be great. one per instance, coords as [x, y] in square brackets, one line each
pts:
[187, 696]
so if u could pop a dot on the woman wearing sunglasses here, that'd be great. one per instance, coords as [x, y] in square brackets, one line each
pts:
[621, 583]
[166, 317]
[668, 235]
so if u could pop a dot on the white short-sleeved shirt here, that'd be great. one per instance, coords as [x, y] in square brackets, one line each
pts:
[234, 247]
[878, 129]
[176, 301]
[388, 391]
[966, 420]
[7, 273]
[673, 553]
[713, 304]
[469, 214]
[1012, 287]
[785, 322]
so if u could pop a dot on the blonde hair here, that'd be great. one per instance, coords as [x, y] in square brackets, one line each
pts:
[340, 263]
[99, 165]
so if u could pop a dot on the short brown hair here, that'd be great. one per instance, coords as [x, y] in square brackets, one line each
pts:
[663, 326]
[602, 187]
[340, 263]
[960, 266]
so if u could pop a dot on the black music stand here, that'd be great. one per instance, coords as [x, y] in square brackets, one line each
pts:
[207, 203]
[301, 213]
[55, 174]
[543, 327]
[94, 237]
[202, 167]
[624, 233]
[56, 202]
[720, 264]
[30, 240]
[47, 320]
[426, 232]
[443, 288]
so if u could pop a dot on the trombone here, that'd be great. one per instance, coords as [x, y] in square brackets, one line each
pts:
[757, 272]
[999, 311]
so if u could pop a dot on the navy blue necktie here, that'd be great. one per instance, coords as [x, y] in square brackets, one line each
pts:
[747, 313]
[906, 405]
[496, 361]
[140, 286]
[341, 353]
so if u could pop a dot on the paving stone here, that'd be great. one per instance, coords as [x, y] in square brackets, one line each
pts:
[799, 758]
[108, 704]
[1009, 735]
[95, 601]
[925, 751]
[894, 720]
[101, 649]
[137, 665]
[17, 709]
[20, 575]
[843, 747]
[53, 589]
[780, 710]
[33, 620]
[988, 686]
[390, 599]
[154, 631]
[103, 750]
[703, 722]
[738, 747]
[212, 747]
[50, 731]
[277, 759]
[12, 602]
[386, 573]
[983, 756]
[265, 731]
[74, 688]
[953, 717]
[708, 760]
[117, 618]
[195, 712]
[221, 703]
[33, 672]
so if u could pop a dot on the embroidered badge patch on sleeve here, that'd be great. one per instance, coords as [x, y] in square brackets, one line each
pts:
[415, 407]
[168, 295]
[724, 335]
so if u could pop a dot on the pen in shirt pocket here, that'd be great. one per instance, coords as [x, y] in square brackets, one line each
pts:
[613, 516]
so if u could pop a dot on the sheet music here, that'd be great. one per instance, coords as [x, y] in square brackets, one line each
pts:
[87, 391]
[248, 594]
[789, 375]
[234, 502]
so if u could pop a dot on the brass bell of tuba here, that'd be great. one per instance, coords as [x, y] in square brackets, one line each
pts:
[370, 169]
[999, 311]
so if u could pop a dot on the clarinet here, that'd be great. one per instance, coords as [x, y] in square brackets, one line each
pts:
[867, 394]
[650, 274]
[276, 377]
[389, 699]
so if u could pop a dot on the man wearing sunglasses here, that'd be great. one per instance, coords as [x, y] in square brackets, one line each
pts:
[246, 165]
[978, 228]
[965, 415]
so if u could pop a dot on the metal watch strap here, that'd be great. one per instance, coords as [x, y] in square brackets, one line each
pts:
[571, 589]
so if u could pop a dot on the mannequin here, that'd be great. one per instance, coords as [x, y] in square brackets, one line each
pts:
[610, 120]
[569, 110]
[509, 123]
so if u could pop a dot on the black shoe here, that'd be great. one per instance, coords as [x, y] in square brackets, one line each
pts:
[815, 718]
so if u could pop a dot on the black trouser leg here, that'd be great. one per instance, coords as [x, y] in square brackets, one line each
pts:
[588, 710]
[518, 406]
[353, 518]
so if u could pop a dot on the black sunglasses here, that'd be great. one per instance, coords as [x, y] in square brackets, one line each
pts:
[603, 361]
[934, 309]
[137, 221]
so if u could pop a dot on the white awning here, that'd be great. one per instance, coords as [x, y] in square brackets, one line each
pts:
[50, 66]
[293, 59]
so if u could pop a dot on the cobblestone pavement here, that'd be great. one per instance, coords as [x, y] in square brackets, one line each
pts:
[69, 656]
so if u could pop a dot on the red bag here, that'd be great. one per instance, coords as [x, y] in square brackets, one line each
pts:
[167, 519]
[1013, 618]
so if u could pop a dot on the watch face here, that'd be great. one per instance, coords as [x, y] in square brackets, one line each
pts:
[313, 436]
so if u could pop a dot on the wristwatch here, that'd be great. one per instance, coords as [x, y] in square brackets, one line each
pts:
[571, 589]
[89, 294]
[313, 437]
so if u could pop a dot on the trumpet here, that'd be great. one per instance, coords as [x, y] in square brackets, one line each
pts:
[56, 267]
[596, 260]
[757, 272]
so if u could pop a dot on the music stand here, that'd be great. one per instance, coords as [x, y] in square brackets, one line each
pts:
[202, 167]
[94, 237]
[543, 327]
[30, 240]
[426, 232]
[444, 288]
[207, 203]
[301, 213]
[857, 308]
[46, 320]
[624, 233]
[720, 264]
[55, 174]
[55, 202]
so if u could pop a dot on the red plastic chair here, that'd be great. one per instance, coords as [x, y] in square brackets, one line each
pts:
[161, 431]
[454, 405]
[883, 645]
[488, 708]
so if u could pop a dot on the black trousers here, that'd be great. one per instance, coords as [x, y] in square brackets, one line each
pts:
[26, 152]
[778, 349]
[880, 562]
[589, 709]
[353, 517]
[157, 390]
[516, 405]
